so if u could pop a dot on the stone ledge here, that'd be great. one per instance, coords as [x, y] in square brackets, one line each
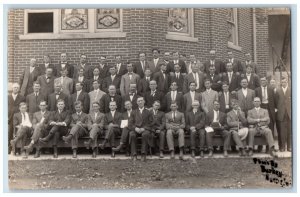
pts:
[181, 38]
[235, 47]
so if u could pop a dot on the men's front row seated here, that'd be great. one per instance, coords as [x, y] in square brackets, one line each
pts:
[147, 124]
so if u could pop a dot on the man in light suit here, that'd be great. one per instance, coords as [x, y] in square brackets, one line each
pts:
[232, 78]
[219, 65]
[66, 82]
[190, 97]
[245, 96]
[252, 78]
[249, 62]
[237, 126]
[95, 127]
[174, 95]
[153, 95]
[28, 76]
[209, 96]
[33, 99]
[57, 95]
[47, 82]
[40, 122]
[155, 62]
[47, 64]
[82, 96]
[258, 120]
[236, 64]
[194, 76]
[87, 70]
[64, 64]
[140, 67]
[112, 79]
[144, 82]
[195, 122]
[175, 124]
[96, 94]
[128, 79]
[121, 68]
[283, 115]
[178, 77]
[79, 127]
[162, 79]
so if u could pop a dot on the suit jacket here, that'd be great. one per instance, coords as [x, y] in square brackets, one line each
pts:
[85, 101]
[210, 118]
[139, 120]
[151, 98]
[216, 82]
[87, 84]
[67, 85]
[46, 87]
[122, 71]
[254, 81]
[103, 71]
[68, 66]
[181, 64]
[163, 84]
[99, 120]
[195, 120]
[178, 122]
[37, 117]
[155, 67]
[88, 72]
[179, 81]
[17, 119]
[26, 80]
[190, 78]
[52, 101]
[104, 103]
[43, 69]
[83, 118]
[126, 81]
[107, 82]
[95, 97]
[234, 85]
[235, 121]
[262, 114]
[271, 99]
[138, 68]
[13, 105]
[187, 101]
[133, 101]
[33, 102]
[246, 103]
[159, 120]
[116, 120]
[143, 86]
[219, 65]
[208, 99]
[178, 99]
[64, 116]
[222, 102]
[236, 65]
[283, 103]
[253, 65]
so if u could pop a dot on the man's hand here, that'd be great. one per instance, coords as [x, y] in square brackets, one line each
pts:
[137, 130]
[142, 130]
[192, 128]
[157, 131]
[53, 123]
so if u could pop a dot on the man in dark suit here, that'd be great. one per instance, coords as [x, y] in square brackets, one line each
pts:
[225, 98]
[190, 96]
[95, 127]
[178, 77]
[132, 96]
[219, 65]
[47, 82]
[47, 64]
[112, 79]
[140, 123]
[33, 99]
[40, 122]
[86, 83]
[158, 128]
[194, 76]
[103, 68]
[175, 61]
[216, 125]
[28, 76]
[64, 64]
[87, 70]
[140, 67]
[22, 123]
[245, 96]
[284, 116]
[236, 64]
[58, 95]
[174, 96]
[249, 62]
[232, 78]
[14, 99]
[167, 61]
[58, 124]
[195, 122]
[144, 83]
[79, 127]
[96, 76]
[162, 79]
[216, 80]
[252, 78]
[82, 96]
[155, 62]
[107, 98]
[112, 123]
[153, 95]
[121, 68]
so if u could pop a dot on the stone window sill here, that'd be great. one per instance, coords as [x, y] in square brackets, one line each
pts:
[235, 47]
[181, 38]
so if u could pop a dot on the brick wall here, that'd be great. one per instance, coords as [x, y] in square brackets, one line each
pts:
[145, 28]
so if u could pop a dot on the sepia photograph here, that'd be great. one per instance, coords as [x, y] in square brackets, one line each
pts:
[134, 98]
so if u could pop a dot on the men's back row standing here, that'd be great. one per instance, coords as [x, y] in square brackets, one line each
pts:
[156, 84]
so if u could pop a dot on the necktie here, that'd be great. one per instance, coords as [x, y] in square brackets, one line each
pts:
[173, 116]
[230, 75]
[47, 79]
[77, 96]
[217, 116]
[130, 76]
[147, 78]
[23, 117]
[95, 116]
[173, 95]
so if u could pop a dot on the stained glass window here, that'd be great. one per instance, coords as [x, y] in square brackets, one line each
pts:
[108, 19]
[178, 20]
[74, 19]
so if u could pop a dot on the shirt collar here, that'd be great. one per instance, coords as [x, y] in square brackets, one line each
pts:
[257, 108]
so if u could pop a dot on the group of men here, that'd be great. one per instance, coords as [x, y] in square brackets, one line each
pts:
[155, 100]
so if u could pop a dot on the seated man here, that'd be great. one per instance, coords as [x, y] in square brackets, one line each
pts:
[39, 123]
[22, 128]
[258, 119]
[237, 126]
[112, 122]
[195, 122]
[140, 123]
[158, 127]
[95, 126]
[59, 122]
[78, 125]
[175, 123]
[216, 125]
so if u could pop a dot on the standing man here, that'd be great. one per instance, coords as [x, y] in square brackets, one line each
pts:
[132, 96]
[175, 124]
[144, 82]
[195, 123]
[112, 79]
[225, 98]
[196, 77]
[155, 62]
[64, 65]
[236, 64]
[193, 60]
[119, 66]
[82, 79]
[174, 96]
[249, 62]
[153, 95]
[215, 80]
[107, 98]
[175, 61]
[96, 94]
[219, 65]
[245, 96]
[140, 67]
[81, 96]
[283, 115]
[96, 76]
[162, 79]
[128, 79]
[65, 81]
[232, 78]
[190, 97]
[103, 68]
[33, 99]
[87, 70]
[47, 64]
[178, 77]
[209, 96]
[46, 82]
[252, 78]
[28, 76]
[58, 95]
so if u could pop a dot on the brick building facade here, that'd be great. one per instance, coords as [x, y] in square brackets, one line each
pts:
[142, 30]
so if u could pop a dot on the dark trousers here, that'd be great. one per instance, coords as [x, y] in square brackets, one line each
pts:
[76, 132]
[225, 135]
[133, 141]
[38, 132]
[198, 133]
[110, 133]
[22, 134]
[10, 134]
[57, 132]
[161, 137]
[266, 132]
[284, 132]
[124, 136]
[95, 130]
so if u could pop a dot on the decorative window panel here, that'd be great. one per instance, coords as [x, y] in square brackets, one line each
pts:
[232, 26]
[108, 19]
[178, 20]
[74, 19]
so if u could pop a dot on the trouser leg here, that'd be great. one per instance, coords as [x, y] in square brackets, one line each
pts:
[237, 139]
[94, 136]
[132, 142]
[145, 141]
[162, 136]
[76, 132]
[226, 137]
[268, 136]
[58, 131]
[193, 135]
[170, 140]
[181, 138]
[202, 139]
[289, 134]
[209, 139]
[124, 135]
[251, 134]
[37, 133]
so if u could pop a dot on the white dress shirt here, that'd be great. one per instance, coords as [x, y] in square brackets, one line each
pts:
[26, 120]
[192, 95]
[244, 90]
[216, 116]
[14, 96]
[264, 95]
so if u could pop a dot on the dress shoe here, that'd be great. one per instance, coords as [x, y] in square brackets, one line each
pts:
[289, 150]
[29, 148]
[225, 153]
[144, 157]
[67, 139]
[181, 154]
[37, 153]
[94, 155]
[118, 148]
[242, 152]
[24, 154]
[259, 148]
[172, 155]
[281, 150]
[43, 140]
[87, 144]
[193, 154]
[250, 153]
[13, 146]
[201, 153]
[273, 153]
[134, 157]
[74, 153]
[210, 154]
[161, 154]
[113, 155]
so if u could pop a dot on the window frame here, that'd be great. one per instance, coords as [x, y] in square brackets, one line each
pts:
[235, 43]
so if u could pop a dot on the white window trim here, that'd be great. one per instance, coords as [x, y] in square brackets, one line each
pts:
[235, 44]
